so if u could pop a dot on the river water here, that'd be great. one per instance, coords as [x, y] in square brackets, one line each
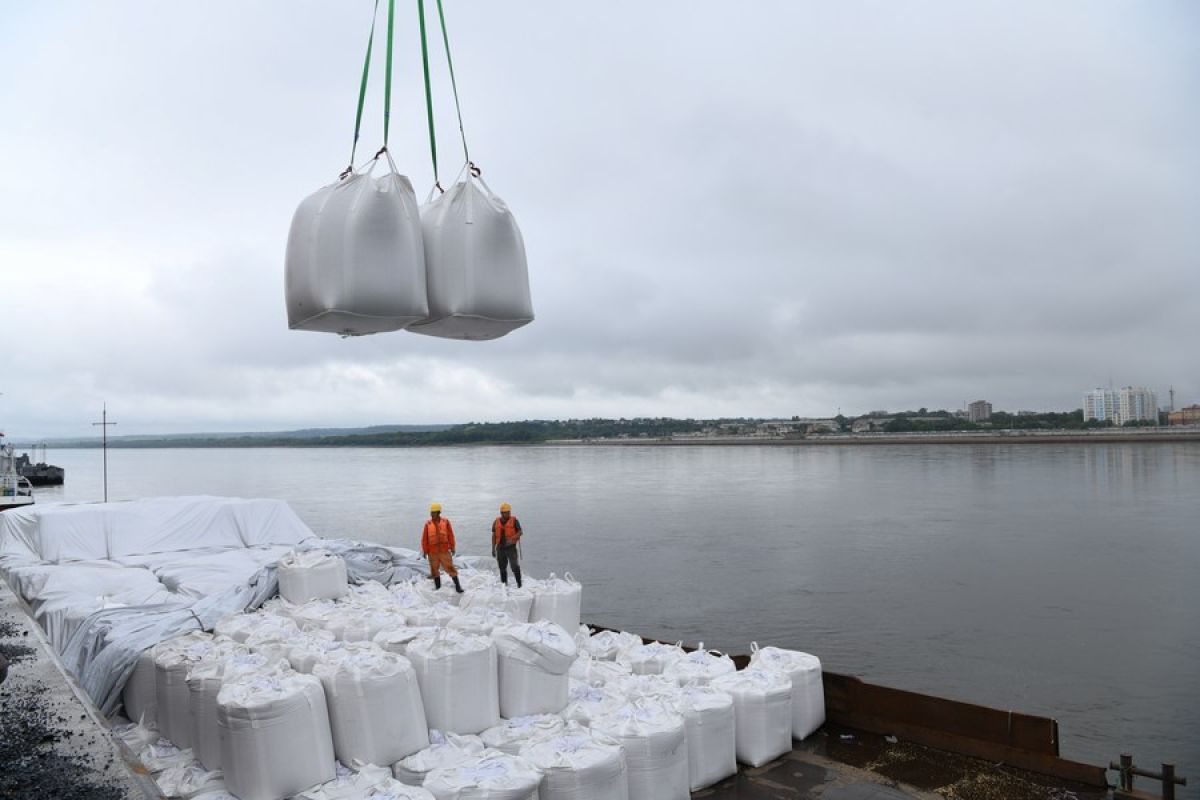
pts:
[1060, 580]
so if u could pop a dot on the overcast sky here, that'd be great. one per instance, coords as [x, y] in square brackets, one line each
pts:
[753, 209]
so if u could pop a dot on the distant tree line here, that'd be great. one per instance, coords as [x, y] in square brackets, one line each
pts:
[941, 420]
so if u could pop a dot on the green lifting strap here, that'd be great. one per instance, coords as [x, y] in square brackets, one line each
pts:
[387, 81]
[428, 93]
[453, 83]
[362, 89]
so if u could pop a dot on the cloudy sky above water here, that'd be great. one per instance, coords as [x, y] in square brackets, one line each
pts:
[797, 208]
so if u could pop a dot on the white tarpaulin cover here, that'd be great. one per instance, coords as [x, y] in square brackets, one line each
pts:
[311, 575]
[492, 775]
[700, 667]
[709, 723]
[458, 678]
[808, 690]
[511, 734]
[355, 259]
[655, 749]
[579, 764]
[558, 600]
[445, 750]
[476, 275]
[534, 659]
[762, 704]
[274, 733]
[374, 706]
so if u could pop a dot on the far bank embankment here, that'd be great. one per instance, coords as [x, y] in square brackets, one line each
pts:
[1133, 435]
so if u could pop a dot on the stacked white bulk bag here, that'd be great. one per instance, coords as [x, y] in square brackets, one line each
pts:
[762, 704]
[700, 667]
[650, 659]
[596, 672]
[260, 627]
[634, 686]
[434, 615]
[311, 575]
[476, 276]
[517, 603]
[558, 600]
[172, 660]
[139, 692]
[312, 647]
[275, 737]
[655, 749]
[533, 660]
[511, 734]
[204, 682]
[480, 621]
[492, 775]
[607, 645]
[375, 709]
[708, 718]
[585, 703]
[355, 257]
[396, 640]
[356, 624]
[579, 764]
[362, 786]
[457, 674]
[808, 690]
[445, 750]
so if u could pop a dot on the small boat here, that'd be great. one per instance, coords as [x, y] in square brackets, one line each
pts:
[15, 490]
[40, 473]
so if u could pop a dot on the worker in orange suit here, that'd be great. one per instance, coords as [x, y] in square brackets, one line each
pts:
[506, 535]
[437, 543]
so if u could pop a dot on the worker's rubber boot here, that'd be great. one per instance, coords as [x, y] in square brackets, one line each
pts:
[437, 582]
[517, 574]
[457, 586]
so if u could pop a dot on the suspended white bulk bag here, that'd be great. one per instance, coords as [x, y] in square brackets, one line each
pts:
[808, 690]
[480, 621]
[492, 775]
[585, 703]
[597, 673]
[375, 709]
[579, 764]
[700, 667]
[558, 600]
[355, 257]
[511, 734]
[650, 659]
[476, 275]
[517, 603]
[457, 674]
[533, 659]
[204, 682]
[172, 660]
[607, 645]
[762, 705]
[445, 750]
[396, 640]
[275, 739]
[708, 718]
[655, 749]
[311, 575]
[139, 692]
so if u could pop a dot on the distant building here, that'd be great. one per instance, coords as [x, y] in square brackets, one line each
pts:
[1120, 406]
[979, 411]
[1189, 415]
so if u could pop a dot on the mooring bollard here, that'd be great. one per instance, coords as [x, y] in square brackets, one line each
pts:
[1127, 770]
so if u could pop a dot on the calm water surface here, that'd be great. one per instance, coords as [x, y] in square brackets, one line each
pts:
[1053, 579]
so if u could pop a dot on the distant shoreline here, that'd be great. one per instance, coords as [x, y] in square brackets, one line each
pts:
[1017, 436]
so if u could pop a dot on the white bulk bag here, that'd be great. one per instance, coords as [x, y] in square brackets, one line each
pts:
[445, 750]
[607, 645]
[492, 775]
[204, 682]
[365, 786]
[396, 640]
[650, 659]
[189, 781]
[511, 734]
[655, 749]
[596, 672]
[808, 690]
[312, 647]
[162, 755]
[355, 257]
[260, 627]
[457, 674]
[700, 667]
[533, 659]
[558, 600]
[139, 692]
[274, 733]
[311, 575]
[708, 718]
[375, 709]
[579, 764]
[172, 660]
[762, 704]
[435, 615]
[585, 703]
[480, 621]
[635, 686]
[517, 603]
[350, 624]
[475, 270]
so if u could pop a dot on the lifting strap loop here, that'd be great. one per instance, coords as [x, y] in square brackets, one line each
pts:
[453, 83]
[428, 93]
[362, 89]
[387, 81]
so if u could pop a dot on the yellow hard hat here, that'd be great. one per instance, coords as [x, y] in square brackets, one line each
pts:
[435, 507]
[505, 507]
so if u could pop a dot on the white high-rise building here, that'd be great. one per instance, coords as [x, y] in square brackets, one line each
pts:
[1120, 406]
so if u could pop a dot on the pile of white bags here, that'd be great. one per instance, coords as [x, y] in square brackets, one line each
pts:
[375, 709]
[655, 749]
[480, 621]
[458, 677]
[634, 686]
[476, 275]
[517, 603]
[607, 645]
[558, 600]
[368, 783]
[808, 690]
[260, 627]
[355, 257]
[579, 764]
[314, 646]
[445, 750]
[511, 734]
[396, 640]
[650, 659]
[172, 660]
[311, 575]
[700, 667]
[534, 659]
[762, 703]
[275, 736]
[585, 703]
[596, 672]
[492, 775]
[204, 682]
[708, 718]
